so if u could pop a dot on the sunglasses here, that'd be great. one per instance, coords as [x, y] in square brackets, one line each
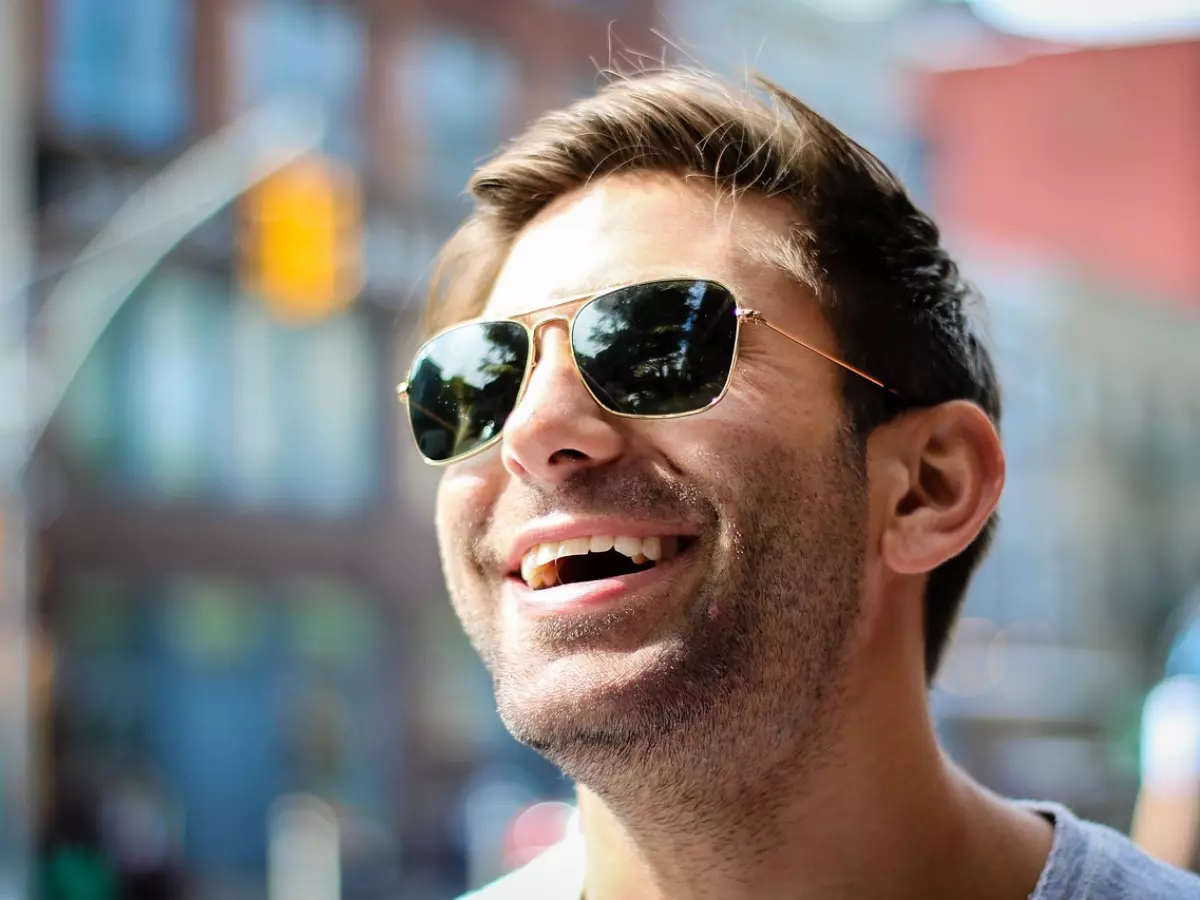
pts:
[657, 350]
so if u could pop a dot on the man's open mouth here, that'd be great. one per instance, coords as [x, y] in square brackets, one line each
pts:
[595, 557]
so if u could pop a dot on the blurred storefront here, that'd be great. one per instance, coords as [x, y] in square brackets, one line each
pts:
[239, 597]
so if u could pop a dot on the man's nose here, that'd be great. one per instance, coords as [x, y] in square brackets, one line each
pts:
[557, 429]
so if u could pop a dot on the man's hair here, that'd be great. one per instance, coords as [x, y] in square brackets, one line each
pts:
[893, 296]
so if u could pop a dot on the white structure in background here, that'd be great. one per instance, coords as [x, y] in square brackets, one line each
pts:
[303, 851]
[1089, 21]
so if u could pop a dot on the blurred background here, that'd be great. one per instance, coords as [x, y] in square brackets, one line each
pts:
[228, 668]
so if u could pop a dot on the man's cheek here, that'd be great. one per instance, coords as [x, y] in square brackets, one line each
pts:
[452, 524]
[443, 518]
[455, 497]
[466, 580]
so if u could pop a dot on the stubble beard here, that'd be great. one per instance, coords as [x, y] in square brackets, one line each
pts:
[741, 698]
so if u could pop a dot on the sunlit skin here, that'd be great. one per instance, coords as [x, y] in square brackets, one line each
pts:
[1166, 822]
[754, 721]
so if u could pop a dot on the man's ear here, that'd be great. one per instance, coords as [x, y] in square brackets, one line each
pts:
[942, 471]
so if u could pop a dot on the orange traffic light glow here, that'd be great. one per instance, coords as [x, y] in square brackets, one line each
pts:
[300, 241]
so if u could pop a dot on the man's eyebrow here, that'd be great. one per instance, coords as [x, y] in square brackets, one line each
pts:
[587, 289]
[595, 284]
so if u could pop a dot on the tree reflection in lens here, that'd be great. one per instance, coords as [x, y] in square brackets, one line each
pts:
[657, 349]
[465, 385]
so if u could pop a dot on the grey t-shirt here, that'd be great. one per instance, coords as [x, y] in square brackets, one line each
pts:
[1091, 862]
[1087, 862]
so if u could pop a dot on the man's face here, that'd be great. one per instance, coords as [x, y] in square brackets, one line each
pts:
[739, 636]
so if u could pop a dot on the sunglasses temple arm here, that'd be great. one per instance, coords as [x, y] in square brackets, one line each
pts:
[754, 316]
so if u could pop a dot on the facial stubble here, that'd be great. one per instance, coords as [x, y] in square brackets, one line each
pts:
[749, 679]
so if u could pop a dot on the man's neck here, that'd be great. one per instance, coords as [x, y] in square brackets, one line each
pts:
[899, 821]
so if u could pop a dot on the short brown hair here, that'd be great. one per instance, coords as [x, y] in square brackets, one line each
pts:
[895, 300]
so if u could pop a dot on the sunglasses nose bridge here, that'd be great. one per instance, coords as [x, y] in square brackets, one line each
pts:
[536, 330]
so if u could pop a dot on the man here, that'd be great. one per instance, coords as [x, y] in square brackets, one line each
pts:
[720, 454]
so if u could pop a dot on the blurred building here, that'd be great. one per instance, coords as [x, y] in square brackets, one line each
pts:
[1088, 156]
[1068, 181]
[239, 596]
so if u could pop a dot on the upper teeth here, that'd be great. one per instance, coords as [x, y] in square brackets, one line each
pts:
[639, 550]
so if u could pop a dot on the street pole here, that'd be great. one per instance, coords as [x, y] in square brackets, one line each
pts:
[16, 760]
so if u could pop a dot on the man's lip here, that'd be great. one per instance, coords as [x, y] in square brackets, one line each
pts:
[563, 528]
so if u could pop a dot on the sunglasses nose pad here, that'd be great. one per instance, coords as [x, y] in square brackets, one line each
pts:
[536, 344]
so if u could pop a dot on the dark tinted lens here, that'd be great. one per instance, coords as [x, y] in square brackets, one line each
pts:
[657, 349]
[463, 386]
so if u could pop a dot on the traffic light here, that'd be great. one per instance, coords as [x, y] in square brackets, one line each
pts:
[300, 239]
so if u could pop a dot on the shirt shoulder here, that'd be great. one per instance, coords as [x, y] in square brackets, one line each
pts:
[556, 874]
[1091, 862]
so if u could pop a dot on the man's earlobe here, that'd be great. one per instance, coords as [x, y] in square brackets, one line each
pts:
[954, 468]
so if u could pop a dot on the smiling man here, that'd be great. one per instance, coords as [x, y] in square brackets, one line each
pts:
[721, 454]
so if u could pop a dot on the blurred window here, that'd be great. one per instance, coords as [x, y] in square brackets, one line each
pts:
[332, 432]
[304, 429]
[310, 49]
[88, 417]
[171, 395]
[196, 395]
[456, 95]
[254, 446]
[120, 69]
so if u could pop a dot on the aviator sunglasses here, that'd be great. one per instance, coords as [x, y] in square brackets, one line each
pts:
[654, 350]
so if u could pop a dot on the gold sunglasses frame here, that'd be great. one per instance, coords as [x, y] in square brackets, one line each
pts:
[741, 313]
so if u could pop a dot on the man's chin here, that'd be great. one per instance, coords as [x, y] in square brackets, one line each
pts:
[600, 699]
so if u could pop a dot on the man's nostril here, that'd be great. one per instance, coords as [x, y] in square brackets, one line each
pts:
[568, 455]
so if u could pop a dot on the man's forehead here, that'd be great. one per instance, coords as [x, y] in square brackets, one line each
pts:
[621, 230]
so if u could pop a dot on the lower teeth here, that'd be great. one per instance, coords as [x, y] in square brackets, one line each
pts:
[548, 576]
[609, 564]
